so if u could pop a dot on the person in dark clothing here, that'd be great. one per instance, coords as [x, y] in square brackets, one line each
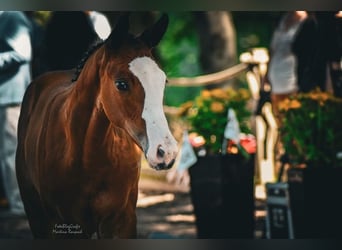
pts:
[336, 63]
[37, 36]
[69, 34]
[311, 58]
[334, 49]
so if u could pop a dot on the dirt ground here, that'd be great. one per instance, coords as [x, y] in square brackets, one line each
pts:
[164, 212]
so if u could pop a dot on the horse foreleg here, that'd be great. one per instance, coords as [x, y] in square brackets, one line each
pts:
[118, 226]
[35, 213]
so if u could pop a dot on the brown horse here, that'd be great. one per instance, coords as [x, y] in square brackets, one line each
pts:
[80, 138]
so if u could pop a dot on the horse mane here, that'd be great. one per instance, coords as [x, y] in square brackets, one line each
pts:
[97, 44]
[85, 57]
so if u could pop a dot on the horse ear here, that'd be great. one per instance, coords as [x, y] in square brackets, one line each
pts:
[153, 35]
[120, 31]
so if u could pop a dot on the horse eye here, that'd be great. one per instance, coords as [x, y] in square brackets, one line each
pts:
[121, 85]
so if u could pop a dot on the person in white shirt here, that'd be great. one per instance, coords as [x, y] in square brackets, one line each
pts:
[282, 68]
[15, 76]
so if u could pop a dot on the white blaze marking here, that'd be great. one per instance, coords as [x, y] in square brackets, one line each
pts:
[153, 80]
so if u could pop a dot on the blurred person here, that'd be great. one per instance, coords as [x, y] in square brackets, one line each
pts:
[282, 76]
[336, 59]
[37, 36]
[68, 35]
[100, 23]
[309, 48]
[330, 23]
[282, 71]
[15, 76]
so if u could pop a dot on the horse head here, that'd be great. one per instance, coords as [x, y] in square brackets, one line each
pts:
[132, 88]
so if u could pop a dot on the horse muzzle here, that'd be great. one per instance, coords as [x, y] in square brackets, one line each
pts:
[163, 165]
[162, 157]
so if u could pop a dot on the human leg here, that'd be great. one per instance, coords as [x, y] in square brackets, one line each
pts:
[8, 144]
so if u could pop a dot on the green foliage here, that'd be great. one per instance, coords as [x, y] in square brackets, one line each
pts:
[179, 48]
[42, 17]
[311, 129]
[179, 53]
[175, 96]
[254, 29]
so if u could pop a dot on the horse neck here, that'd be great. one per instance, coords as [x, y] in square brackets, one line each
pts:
[86, 88]
[89, 124]
[82, 103]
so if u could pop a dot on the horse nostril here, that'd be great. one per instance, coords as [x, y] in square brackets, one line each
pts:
[160, 152]
[171, 163]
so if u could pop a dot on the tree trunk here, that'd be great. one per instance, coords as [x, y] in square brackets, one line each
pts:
[217, 40]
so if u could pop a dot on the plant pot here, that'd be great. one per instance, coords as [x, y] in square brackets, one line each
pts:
[222, 193]
[315, 200]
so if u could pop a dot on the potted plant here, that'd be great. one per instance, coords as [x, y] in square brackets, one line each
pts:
[312, 138]
[311, 130]
[221, 181]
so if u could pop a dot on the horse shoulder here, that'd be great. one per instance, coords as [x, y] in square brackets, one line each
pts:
[37, 115]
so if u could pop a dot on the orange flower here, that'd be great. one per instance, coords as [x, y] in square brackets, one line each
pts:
[319, 96]
[284, 105]
[318, 112]
[219, 94]
[208, 113]
[244, 93]
[217, 107]
[295, 104]
[206, 94]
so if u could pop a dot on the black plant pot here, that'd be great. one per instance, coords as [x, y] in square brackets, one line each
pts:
[222, 193]
[315, 201]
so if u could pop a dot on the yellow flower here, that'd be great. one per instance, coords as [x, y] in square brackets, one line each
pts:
[193, 112]
[231, 92]
[184, 108]
[244, 93]
[217, 107]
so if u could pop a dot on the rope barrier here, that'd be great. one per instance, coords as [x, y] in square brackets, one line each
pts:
[204, 80]
[208, 79]
[172, 111]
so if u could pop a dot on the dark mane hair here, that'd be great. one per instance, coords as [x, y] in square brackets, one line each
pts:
[85, 57]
